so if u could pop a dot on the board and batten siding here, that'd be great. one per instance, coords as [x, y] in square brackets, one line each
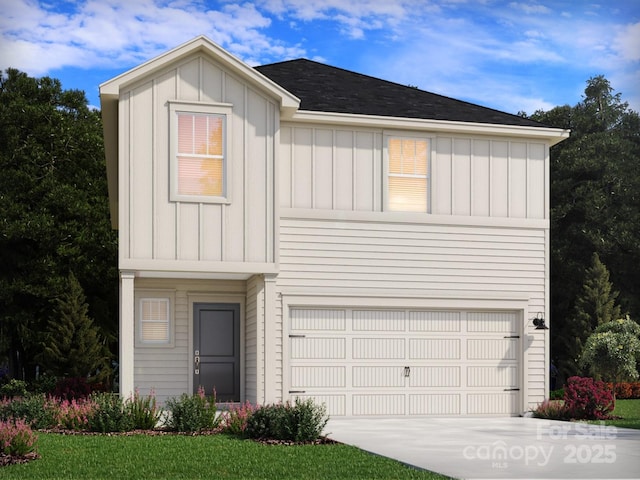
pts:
[342, 169]
[154, 228]
[353, 254]
[168, 369]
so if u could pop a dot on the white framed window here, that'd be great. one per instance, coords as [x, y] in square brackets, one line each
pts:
[200, 141]
[155, 320]
[408, 174]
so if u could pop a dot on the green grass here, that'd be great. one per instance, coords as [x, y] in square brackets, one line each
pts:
[215, 456]
[629, 410]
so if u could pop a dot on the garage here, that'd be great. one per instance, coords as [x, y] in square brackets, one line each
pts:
[365, 362]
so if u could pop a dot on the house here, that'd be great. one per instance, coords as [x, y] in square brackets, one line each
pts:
[299, 230]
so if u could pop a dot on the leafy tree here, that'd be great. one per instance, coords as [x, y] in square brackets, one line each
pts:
[53, 213]
[613, 350]
[595, 205]
[73, 346]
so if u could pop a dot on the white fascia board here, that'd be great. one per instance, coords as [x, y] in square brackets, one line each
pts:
[552, 135]
[196, 269]
[201, 43]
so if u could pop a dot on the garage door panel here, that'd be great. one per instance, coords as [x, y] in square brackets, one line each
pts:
[492, 349]
[378, 321]
[502, 322]
[378, 348]
[336, 405]
[492, 403]
[372, 404]
[306, 348]
[434, 349]
[434, 321]
[318, 319]
[312, 376]
[492, 376]
[378, 376]
[429, 404]
[435, 376]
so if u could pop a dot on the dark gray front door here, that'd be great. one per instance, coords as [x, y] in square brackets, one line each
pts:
[216, 344]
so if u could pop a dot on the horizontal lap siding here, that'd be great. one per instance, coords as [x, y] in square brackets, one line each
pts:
[397, 259]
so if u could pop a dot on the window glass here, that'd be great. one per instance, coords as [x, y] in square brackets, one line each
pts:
[200, 155]
[408, 181]
[154, 320]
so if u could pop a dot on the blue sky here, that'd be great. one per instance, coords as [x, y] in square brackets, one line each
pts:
[510, 55]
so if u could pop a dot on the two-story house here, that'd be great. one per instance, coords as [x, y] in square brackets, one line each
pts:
[299, 230]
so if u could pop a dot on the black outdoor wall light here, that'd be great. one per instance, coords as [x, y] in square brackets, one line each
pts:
[539, 322]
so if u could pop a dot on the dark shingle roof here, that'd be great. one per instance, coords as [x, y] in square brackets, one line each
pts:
[324, 88]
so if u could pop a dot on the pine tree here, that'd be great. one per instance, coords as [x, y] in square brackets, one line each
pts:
[596, 305]
[73, 347]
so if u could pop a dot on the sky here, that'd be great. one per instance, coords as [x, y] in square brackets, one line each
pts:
[514, 56]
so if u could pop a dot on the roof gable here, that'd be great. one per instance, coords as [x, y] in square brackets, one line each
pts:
[323, 88]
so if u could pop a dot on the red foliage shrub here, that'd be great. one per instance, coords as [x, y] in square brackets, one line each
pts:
[72, 388]
[587, 399]
[635, 390]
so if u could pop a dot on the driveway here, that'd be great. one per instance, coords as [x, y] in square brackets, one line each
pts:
[513, 447]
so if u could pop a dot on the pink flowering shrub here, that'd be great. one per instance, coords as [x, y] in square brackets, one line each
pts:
[587, 399]
[234, 420]
[75, 414]
[143, 411]
[17, 438]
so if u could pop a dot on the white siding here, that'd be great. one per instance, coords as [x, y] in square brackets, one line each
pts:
[341, 169]
[407, 260]
[152, 227]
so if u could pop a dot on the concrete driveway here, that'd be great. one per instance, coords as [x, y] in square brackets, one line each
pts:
[512, 447]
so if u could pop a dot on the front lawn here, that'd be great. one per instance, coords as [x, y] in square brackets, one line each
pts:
[629, 410]
[212, 456]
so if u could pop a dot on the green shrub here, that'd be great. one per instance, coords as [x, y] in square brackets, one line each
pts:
[235, 419]
[192, 413]
[16, 438]
[551, 410]
[142, 411]
[302, 421]
[37, 410]
[556, 394]
[109, 414]
[13, 388]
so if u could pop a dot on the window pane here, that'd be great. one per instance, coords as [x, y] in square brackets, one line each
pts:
[215, 136]
[154, 320]
[200, 176]
[395, 156]
[200, 134]
[407, 194]
[421, 157]
[185, 133]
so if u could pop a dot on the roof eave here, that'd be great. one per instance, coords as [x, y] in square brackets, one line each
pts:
[552, 135]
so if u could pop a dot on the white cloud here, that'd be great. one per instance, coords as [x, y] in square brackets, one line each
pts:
[627, 42]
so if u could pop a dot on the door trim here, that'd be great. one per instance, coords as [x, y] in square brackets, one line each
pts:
[216, 298]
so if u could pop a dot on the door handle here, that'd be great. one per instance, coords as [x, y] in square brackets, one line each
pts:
[407, 371]
[197, 363]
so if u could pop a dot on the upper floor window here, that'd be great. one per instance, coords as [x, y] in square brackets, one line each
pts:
[408, 174]
[199, 156]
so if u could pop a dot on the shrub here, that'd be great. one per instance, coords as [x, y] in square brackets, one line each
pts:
[44, 384]
[235, 420]
[16, 438]
[75, 414]
[192, 413]
[635, 389]
[301, 422]
[108, 414]
[13, 388]
[70, 388]
[551, 410]
[587, 399]
[556, 394]
[142, 411]
[35, 409]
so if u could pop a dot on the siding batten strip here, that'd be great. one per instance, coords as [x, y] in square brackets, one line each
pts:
[154, 170]
[245, 181]
[354, 179]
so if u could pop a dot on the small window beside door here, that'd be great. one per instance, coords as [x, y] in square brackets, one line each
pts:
[154, 321]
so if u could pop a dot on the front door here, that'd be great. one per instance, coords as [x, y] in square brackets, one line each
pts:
[216, 344]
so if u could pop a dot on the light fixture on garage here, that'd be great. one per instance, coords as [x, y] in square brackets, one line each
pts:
[539, 322]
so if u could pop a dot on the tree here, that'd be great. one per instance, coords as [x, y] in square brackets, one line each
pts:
[595, 306]
[53, 214]
[595, 206]
[613, 351]
[73, 346]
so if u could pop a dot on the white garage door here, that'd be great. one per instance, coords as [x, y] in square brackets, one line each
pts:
[406, 362]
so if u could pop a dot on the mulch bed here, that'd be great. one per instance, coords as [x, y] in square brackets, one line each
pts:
[16, 459]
